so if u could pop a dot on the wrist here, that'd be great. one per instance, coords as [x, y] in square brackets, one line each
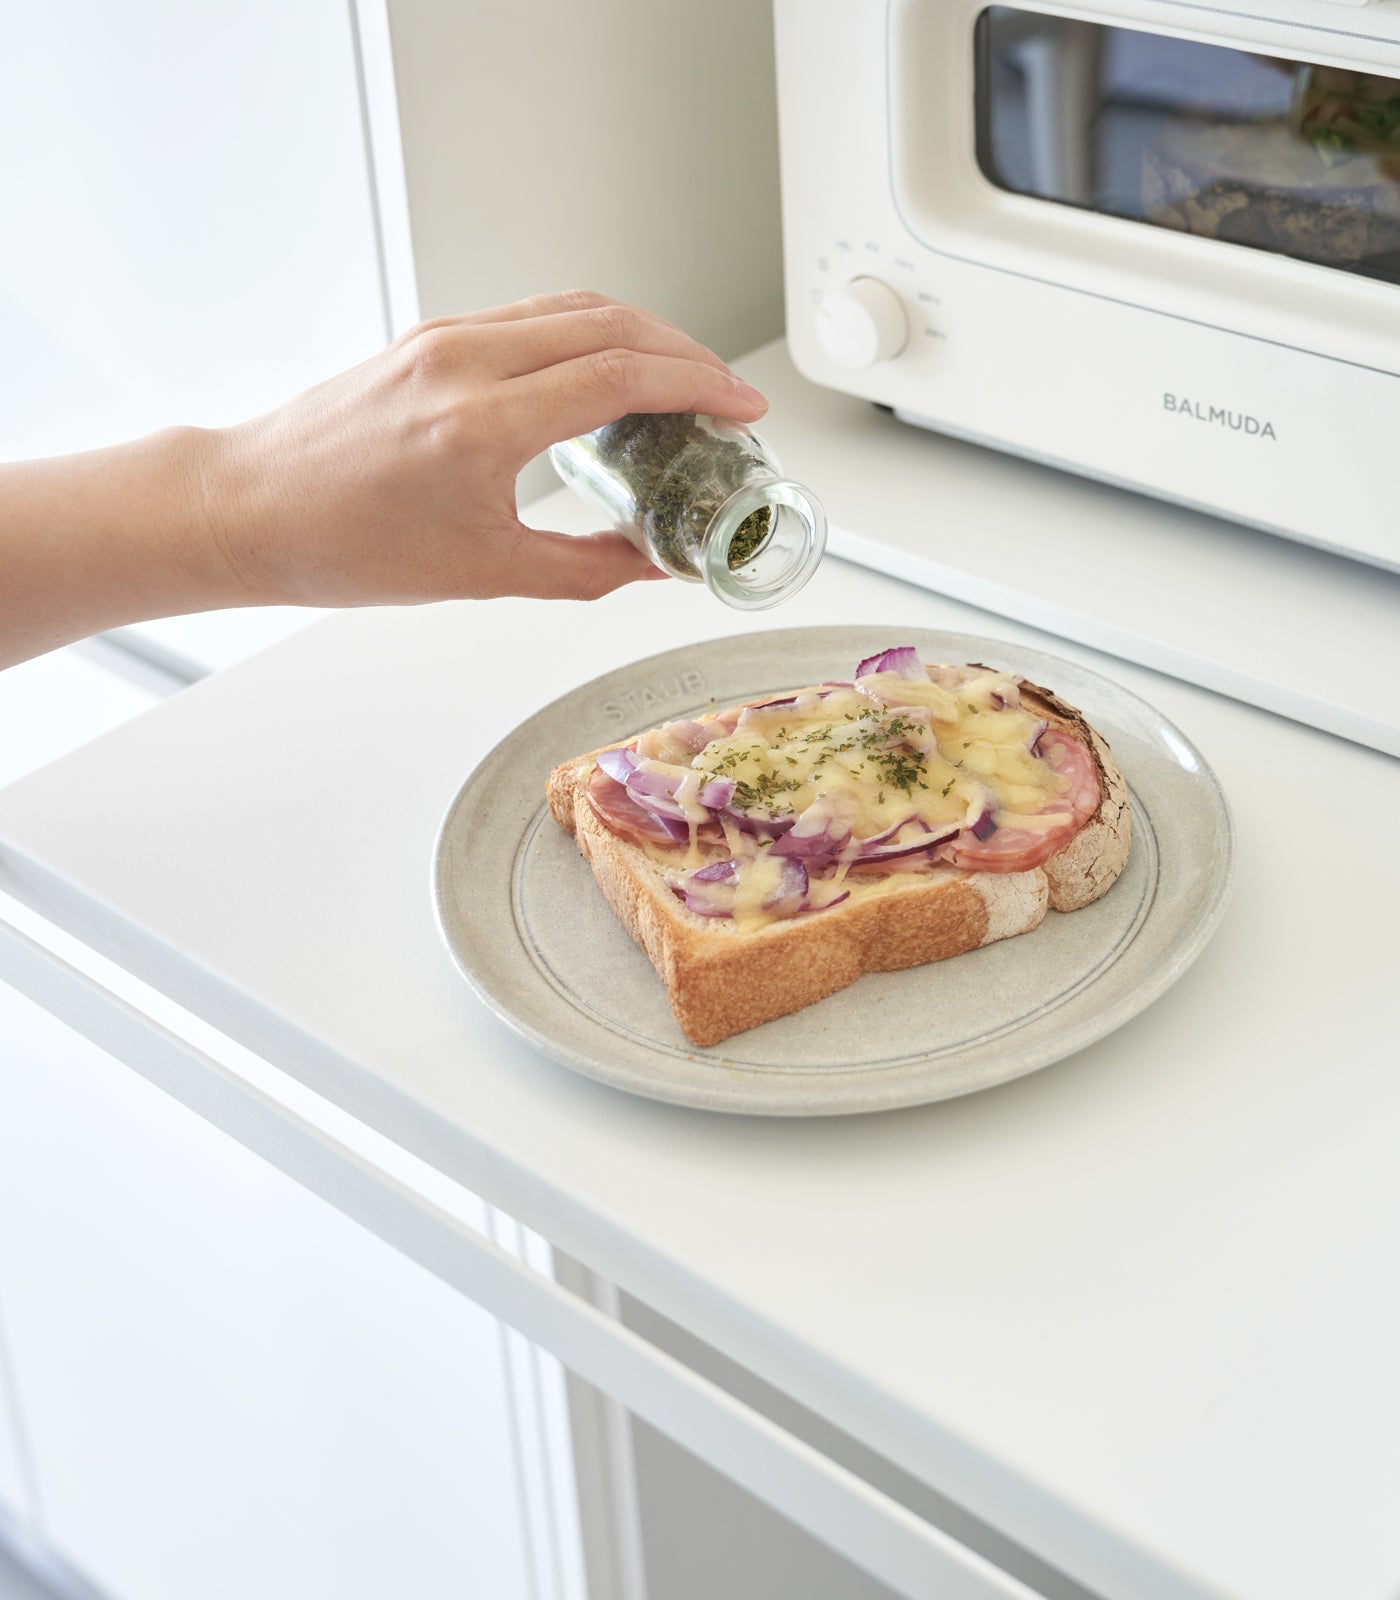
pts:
[115, 536]
[227, 524]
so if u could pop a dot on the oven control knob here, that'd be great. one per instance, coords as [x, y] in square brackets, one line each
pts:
[862, 323]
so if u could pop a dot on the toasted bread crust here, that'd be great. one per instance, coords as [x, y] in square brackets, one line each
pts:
[1089, 864]
[722, 979]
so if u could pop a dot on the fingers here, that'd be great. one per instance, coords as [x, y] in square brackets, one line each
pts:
[560, 566]
[563, 364]
[574, 397]
[516, 348]
[510, 341]
[538, 305]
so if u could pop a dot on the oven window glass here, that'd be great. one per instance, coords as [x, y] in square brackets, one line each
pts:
[1279, 155]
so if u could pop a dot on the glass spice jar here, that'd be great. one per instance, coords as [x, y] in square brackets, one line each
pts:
[705, 499]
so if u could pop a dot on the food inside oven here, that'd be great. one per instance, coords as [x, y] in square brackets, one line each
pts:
[1287, 156]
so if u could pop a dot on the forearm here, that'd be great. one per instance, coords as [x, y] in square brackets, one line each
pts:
[391, 484]
[112, 536]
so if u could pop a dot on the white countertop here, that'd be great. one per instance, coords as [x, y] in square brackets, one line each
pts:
[1139, 1310]
[209, 641]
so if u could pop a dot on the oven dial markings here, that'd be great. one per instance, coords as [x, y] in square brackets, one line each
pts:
[865, 320]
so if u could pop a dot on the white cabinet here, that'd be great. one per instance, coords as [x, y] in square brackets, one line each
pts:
[228, 1388]
[15, 1497]
[211, 1382]
[47, 706]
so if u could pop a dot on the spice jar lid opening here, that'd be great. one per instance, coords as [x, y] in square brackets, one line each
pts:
[765, 542]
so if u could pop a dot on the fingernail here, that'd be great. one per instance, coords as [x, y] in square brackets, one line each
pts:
[749, 393]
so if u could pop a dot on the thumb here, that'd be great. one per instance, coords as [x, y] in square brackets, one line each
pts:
[561, 566]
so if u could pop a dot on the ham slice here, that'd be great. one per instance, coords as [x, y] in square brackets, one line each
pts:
[1013, 849]
[625, 817]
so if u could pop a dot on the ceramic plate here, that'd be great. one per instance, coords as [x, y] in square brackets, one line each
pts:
[522, 917]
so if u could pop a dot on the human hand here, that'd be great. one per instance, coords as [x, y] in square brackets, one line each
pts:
[395, 482]
[392, 483]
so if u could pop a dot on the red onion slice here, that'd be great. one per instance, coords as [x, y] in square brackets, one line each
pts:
[821, 832]
[611, 800]
[817, 849]
[880, 850]
[657, 792]
[717, 872]
[711, 891]
[901, 662]
[759, 827]
[643, 804]
[873, 839]
[790, 896]
[718, 793]
[618, 764]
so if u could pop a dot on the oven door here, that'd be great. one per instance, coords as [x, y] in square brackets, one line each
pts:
[1206, 170]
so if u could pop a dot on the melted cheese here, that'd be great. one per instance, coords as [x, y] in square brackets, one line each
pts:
[884, 752]
[887, 763]
[940, 703]
[759, 879]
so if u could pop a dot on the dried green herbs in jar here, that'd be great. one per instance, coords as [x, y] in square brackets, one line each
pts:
[749, 537]
[705, 499]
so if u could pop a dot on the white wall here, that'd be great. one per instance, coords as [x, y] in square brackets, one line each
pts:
[186, 226]
[616, 145]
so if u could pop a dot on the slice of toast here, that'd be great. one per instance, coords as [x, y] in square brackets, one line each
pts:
[723, 977]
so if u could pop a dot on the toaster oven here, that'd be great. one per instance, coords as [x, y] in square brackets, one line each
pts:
[1156, 242]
